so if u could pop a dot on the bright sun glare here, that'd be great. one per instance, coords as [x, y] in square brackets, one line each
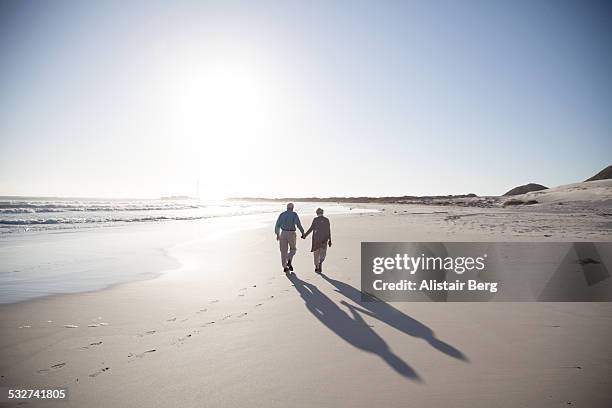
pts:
[223, 99]
[219, 110]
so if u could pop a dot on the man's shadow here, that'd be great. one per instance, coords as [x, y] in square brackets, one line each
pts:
[351, 328]
[390, 315]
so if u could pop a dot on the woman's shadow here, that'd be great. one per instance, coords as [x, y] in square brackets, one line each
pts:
[390, 315]
[351, 328]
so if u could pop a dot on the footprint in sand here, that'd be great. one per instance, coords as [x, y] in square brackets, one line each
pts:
[182, 339]
[100, 371]
[202, 310]
[147, 333]
[97, 343]
[240, 295]
[242, 314]
[208, 324]
[226, 317]
[259, 304]
[144, 353]
[214, 301]
[54, 367]
[171, 320]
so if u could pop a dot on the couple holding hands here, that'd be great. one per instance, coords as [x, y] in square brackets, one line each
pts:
[285, 233]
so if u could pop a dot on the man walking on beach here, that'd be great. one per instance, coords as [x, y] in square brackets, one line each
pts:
[321, 238]
[285, 235]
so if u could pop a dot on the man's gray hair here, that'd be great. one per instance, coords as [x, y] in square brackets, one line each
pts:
[290, 206]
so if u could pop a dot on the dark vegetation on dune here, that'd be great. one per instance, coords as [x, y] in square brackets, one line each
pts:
[514, 201]
[527, 188]
[602, 175]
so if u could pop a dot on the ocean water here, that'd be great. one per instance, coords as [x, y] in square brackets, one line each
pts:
[55, 246]
[36, 214]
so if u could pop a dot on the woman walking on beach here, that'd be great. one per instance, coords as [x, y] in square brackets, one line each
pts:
[321, 238]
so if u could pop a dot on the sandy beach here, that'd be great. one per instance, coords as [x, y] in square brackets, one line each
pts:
[225, 326]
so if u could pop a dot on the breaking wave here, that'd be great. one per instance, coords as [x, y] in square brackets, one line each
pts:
[49, 221]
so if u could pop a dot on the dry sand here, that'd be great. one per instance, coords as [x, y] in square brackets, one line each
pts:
[231, 330]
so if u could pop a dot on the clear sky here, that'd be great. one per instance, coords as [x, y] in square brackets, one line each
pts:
[263, 98]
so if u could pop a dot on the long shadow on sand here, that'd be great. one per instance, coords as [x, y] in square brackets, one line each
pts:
[351, 328]
[390, 315]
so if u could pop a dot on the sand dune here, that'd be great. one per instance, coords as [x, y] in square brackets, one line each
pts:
[590, 194]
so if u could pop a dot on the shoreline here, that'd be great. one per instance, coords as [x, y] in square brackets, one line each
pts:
[157, 251]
